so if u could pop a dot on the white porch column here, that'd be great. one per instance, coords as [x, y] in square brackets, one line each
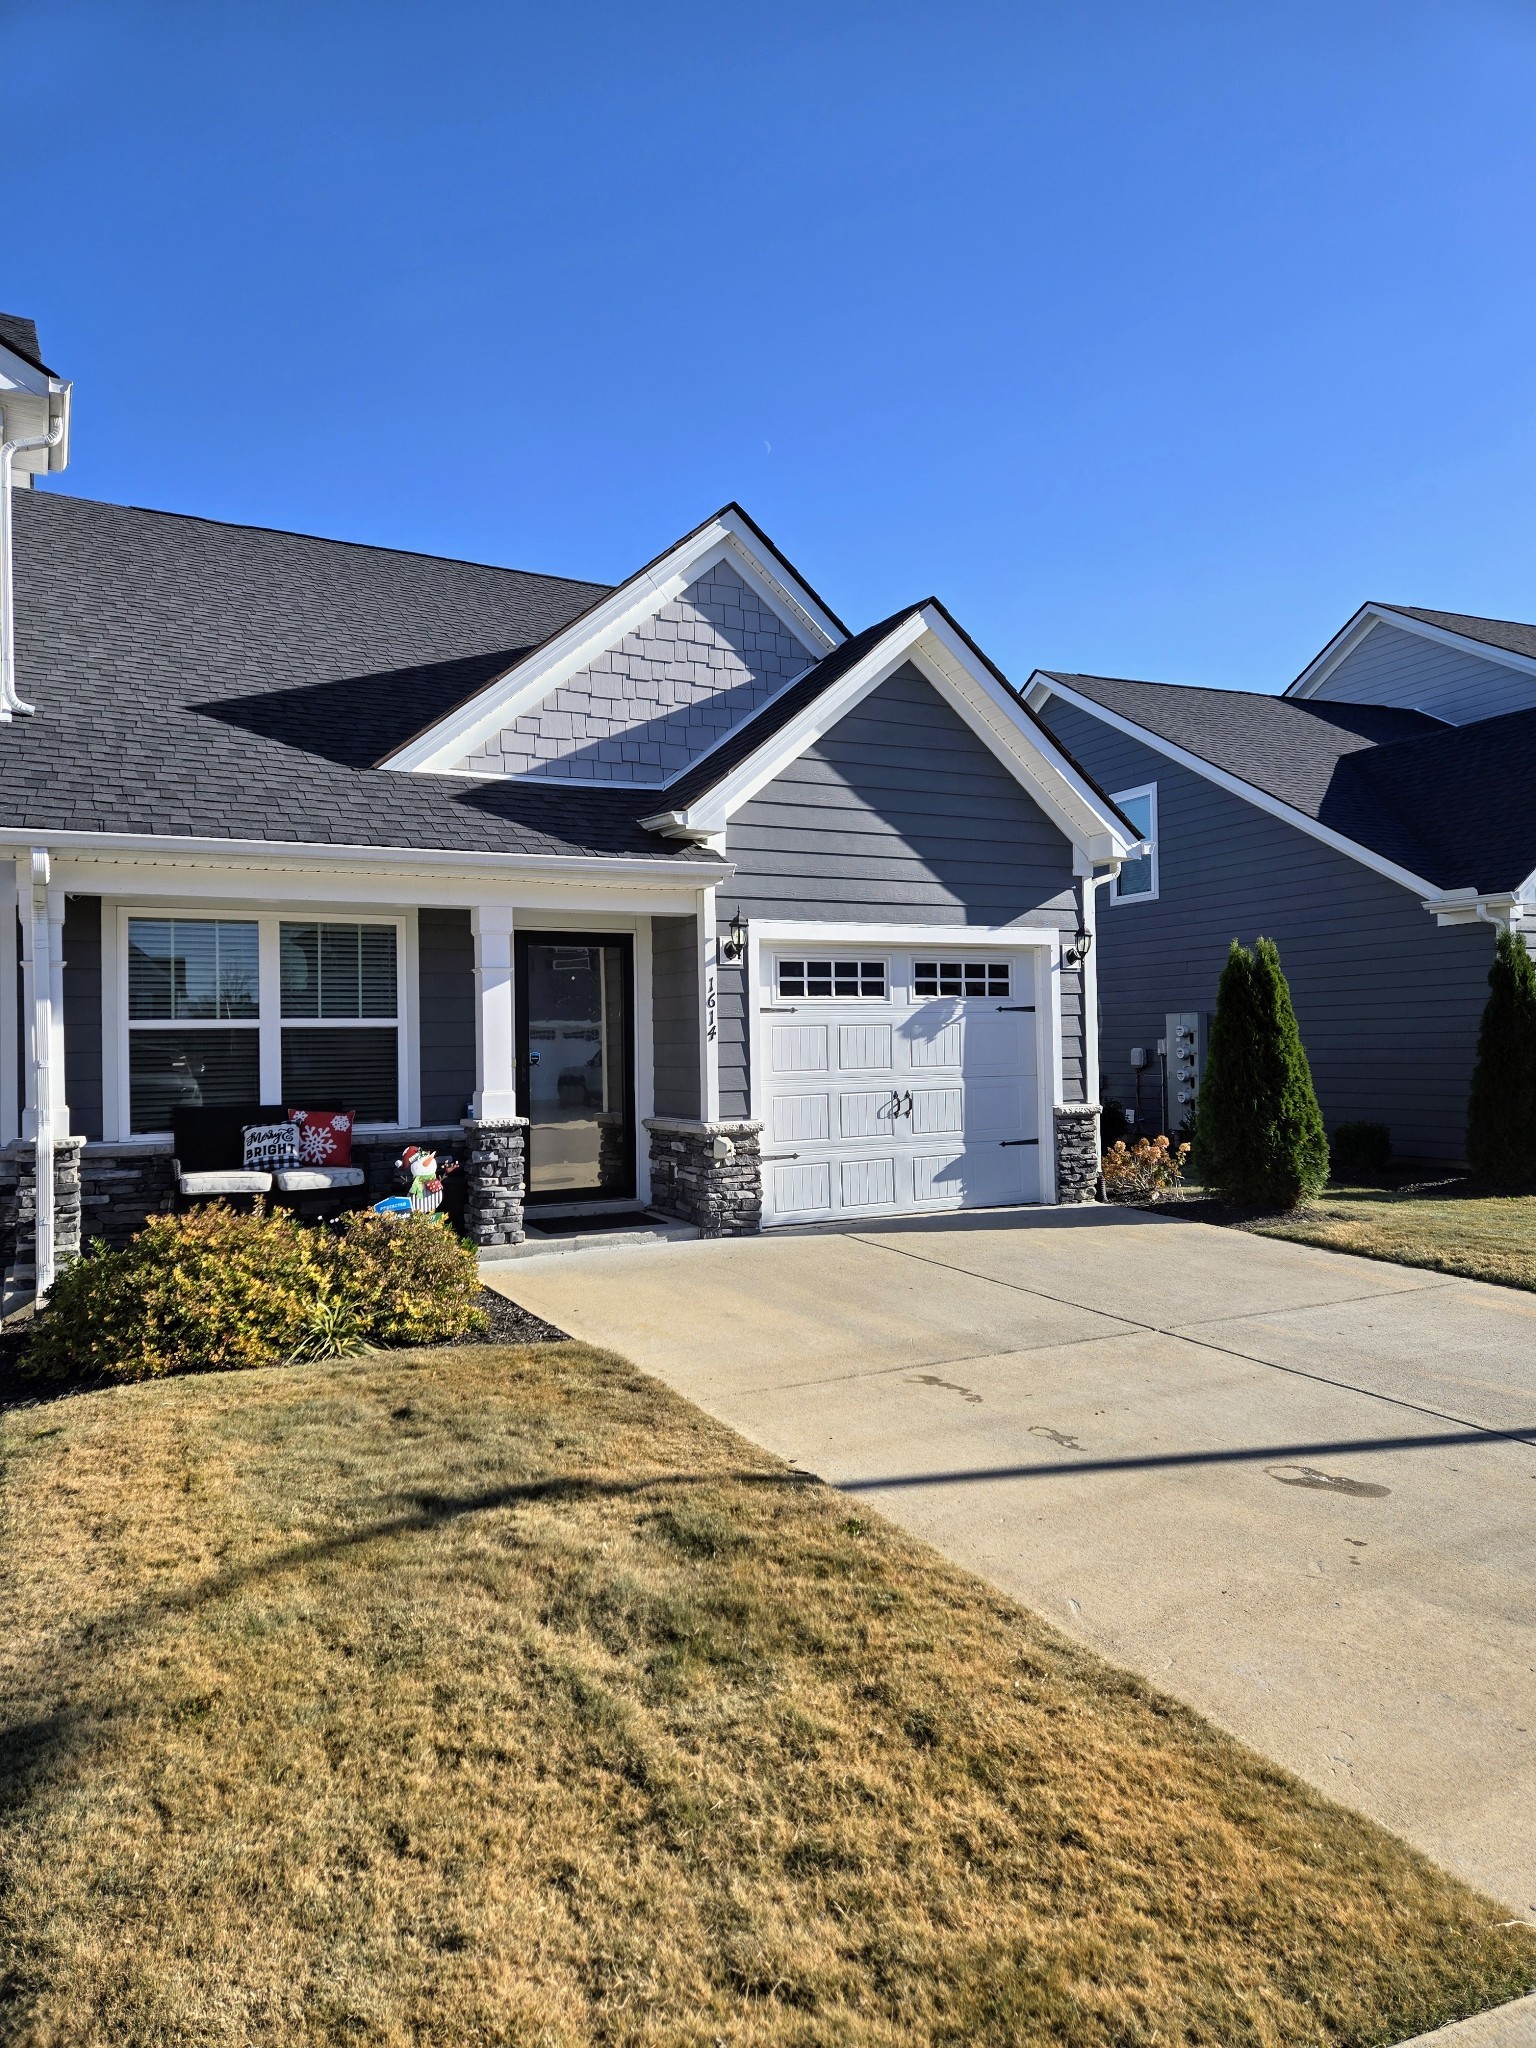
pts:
[43, 1039]
[495, 1098]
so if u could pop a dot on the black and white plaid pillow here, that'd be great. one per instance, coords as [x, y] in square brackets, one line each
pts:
[269, 1147]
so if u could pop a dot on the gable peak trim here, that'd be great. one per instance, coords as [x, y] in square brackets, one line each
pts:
[729, 536]
[1376, 613]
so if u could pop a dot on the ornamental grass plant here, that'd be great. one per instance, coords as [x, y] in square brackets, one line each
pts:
[218, 1291]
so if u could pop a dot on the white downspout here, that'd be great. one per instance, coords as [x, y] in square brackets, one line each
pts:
[10, 703]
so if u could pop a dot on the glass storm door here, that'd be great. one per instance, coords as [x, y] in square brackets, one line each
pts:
[575, 1064]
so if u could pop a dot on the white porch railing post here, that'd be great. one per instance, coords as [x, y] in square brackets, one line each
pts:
[495, 1097]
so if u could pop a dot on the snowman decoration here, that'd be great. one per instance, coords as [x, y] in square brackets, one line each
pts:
[426, 1179]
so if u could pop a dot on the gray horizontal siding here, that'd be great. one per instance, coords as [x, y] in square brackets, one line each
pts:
[1391, 666]
[446, 1013]
[1388, 1002]
[82, 1015]
[898, 815]
[675, 1014]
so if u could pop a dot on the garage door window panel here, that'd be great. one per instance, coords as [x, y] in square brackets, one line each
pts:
[825, 979]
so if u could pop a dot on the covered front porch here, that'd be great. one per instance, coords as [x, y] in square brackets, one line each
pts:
[545, 1023]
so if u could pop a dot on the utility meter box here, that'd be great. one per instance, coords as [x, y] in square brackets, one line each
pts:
[1186, 1040]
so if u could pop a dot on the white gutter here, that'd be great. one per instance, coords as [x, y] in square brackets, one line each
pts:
[58, 406]
[277, 852]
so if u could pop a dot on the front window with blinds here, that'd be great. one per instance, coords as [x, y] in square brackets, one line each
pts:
[229, 1011]
[193, 1016]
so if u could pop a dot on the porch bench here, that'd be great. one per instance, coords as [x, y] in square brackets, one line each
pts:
[208, 1163]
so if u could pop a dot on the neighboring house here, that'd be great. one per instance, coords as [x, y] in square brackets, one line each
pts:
[677, 893]
[1378, 821]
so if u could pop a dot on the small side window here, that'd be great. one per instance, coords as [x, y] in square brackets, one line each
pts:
[1137, 879]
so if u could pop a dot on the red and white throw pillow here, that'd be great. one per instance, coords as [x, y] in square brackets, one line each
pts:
[325, 1135]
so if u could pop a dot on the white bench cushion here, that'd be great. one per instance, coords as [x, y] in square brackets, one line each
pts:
[234, 1181]
[308, 1180]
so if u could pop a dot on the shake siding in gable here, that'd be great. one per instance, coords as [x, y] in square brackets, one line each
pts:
[898, 815]
[1388, 1002]
[1391, 666]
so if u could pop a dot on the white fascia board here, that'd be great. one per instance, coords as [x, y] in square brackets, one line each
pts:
[507, 697]
[1365, 621]
[280, 854]
[17, 374]
[926, 640]
[1259, 798]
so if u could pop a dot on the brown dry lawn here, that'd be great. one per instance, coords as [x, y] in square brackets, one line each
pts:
[499, 1696]
[1482, 1237]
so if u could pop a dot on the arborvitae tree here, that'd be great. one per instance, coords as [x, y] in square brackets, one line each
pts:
[1501, 1109]
[1258, 1130]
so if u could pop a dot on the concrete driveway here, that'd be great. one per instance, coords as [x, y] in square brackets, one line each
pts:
[1298, 1490]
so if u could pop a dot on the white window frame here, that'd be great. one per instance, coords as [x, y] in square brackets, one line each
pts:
[1123, 796]
[861, 957]
[269, 1023]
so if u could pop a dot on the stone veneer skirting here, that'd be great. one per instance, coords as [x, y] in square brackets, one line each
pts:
[1077, 1152]
[110, 1191]
[708, 1174]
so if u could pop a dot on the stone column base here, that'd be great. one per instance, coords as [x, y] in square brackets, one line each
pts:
[1077, 1152]
[495, 1152]
[710, 1175]
[18, 1214]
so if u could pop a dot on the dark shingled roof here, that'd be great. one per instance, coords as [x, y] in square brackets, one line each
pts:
[20, 337]
[1452, 804]
[231, 682]
[1509, 634]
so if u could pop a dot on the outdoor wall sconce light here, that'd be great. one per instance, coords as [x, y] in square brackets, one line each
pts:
[1080, 948]
[734, 945]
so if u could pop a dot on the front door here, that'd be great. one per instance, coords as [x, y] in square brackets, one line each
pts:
[575, 1080]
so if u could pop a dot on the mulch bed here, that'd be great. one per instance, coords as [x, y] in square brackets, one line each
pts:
[507, 1324]
[1409, 1177]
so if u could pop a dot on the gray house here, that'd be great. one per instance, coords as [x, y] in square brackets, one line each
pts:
[1378, 821]
[677, 894]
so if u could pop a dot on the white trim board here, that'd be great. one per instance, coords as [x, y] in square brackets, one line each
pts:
[725, 538]
[1235, 786]
[1364, 623]
[926, 639]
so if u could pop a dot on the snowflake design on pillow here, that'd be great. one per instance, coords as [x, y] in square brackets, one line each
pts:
[325, 1137]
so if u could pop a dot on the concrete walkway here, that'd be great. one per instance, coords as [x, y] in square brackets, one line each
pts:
[1297, 1490]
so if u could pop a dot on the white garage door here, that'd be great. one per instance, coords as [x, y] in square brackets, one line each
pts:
[897, 1082]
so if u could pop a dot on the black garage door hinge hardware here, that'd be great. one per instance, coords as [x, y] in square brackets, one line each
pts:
[1018, 1006]
[1018, 1141]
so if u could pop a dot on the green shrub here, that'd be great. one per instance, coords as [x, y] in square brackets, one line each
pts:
[1501, 1109]
[1258, 1130]
[1357, 1150]
[213, 1291]
[413, 1280]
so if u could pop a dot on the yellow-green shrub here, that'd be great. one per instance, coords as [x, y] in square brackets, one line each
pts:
[213, 1291]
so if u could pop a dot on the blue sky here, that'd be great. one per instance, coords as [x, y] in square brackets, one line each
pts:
[1152, 339]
